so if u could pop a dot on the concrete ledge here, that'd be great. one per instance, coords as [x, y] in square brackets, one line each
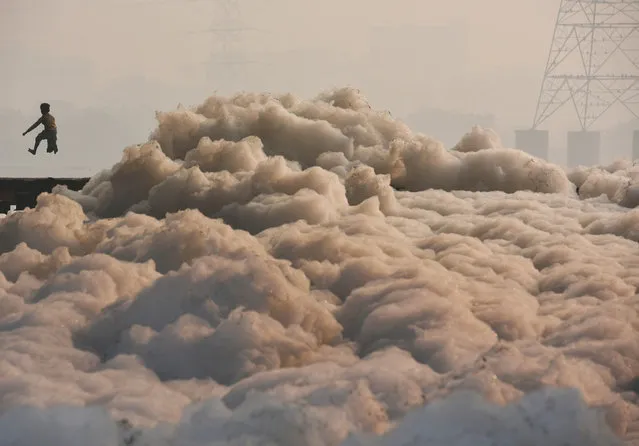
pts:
[23, 192]
[584, 148]
[533, 142]
[635, 145]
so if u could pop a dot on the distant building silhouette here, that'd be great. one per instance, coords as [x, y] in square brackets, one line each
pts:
[447, 126]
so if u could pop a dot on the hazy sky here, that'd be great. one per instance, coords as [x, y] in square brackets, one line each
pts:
[146, 54]
[163, 40]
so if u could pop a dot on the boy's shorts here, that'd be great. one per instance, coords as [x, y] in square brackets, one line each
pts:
[51, 136]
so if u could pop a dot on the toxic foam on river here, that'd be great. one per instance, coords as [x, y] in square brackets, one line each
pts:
[285, 271]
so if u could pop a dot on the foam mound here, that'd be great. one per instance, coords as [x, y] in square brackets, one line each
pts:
[277, 271]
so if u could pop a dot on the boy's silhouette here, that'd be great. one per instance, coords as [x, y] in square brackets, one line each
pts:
[50, 132]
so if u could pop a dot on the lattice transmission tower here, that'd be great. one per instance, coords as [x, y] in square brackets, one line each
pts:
[225, 23]
[227, 59]
[593, 63]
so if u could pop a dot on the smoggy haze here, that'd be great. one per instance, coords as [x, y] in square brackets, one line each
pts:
[132, 57]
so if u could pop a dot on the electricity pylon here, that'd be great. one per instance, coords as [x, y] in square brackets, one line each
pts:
[593, 62]
[228, 51]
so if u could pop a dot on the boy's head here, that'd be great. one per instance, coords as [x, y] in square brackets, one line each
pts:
[44, 108]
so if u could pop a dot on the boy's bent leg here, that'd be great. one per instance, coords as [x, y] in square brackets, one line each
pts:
[38, 139]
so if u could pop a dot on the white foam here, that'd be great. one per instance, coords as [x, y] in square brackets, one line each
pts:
[273, 270]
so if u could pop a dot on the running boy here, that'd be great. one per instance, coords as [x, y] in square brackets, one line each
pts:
[50, 132]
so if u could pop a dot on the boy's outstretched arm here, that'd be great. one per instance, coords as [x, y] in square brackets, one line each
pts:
[37, 123]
